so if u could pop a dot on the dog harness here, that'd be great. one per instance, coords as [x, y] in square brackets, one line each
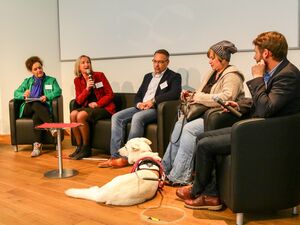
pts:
[149, 161]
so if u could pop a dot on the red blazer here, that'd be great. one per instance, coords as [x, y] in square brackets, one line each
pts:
[102, 91]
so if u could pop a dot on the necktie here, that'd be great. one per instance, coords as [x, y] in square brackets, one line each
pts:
[266, 77]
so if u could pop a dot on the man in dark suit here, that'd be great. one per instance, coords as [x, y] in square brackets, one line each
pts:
[275, 90]
[161, 85]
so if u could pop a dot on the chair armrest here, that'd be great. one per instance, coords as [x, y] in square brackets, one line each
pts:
[124, 100]
[166, 118]
[57, 109]
[14, 109]
[214, 118]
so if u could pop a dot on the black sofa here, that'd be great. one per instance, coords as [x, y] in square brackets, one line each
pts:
[159, 133]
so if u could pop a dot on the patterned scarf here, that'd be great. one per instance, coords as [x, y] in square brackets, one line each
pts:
[37, 87]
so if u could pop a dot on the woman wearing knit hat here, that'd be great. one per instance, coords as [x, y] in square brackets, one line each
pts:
[224, 81]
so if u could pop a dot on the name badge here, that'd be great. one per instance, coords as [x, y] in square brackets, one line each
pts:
[163, 85]
[48, 86]
[99, 85]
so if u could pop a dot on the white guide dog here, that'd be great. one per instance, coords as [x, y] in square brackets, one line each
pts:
[137, 148]
[129, 189]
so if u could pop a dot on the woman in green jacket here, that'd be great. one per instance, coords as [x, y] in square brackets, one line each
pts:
[37, 91]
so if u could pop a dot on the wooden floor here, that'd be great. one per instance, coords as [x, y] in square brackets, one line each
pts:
[27, 197]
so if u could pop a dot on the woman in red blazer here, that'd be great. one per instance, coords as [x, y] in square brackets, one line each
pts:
[94, 101]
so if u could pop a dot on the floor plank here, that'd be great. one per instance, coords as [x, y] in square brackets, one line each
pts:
[27, 197]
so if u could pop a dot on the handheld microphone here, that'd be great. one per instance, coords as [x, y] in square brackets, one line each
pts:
[230, 108]
[88, 71]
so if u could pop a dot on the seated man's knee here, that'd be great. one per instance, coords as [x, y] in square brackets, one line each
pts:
[137, 118]
[201, 136]
[116, 118]
[203, 143]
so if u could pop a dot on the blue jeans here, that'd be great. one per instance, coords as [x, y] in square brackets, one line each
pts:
[139, 119]
[178, 159]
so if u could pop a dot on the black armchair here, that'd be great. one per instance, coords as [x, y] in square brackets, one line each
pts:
[21, 128]
[159, 133]
[262, 172]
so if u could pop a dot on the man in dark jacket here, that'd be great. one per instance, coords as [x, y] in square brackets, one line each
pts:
[161, 85]
[275, 90]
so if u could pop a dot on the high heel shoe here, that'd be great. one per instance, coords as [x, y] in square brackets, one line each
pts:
[84, 152]
[77, 150]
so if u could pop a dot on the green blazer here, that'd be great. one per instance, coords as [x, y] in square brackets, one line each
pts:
[50, 87]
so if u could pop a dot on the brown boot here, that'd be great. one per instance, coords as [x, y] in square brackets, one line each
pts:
[204, 202]
[184, 193]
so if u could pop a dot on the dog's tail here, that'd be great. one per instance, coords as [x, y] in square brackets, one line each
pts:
[92, 193]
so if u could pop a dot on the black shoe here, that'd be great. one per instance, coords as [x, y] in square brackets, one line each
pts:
[83, 153]
[77, 150]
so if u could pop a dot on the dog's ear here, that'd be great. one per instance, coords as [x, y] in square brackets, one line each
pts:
[155, 156]
[147, 141]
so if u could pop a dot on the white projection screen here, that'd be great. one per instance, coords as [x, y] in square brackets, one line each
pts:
[133, 28]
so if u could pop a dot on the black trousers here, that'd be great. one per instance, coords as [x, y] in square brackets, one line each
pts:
[39, 112]
[210, 144]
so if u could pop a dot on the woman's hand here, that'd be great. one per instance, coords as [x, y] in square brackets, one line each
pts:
[186, 95]
[43, 98]
[26, 94]
[89, 84]
[93, 105]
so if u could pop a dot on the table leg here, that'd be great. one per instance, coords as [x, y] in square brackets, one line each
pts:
[60, 164]
[60, 173]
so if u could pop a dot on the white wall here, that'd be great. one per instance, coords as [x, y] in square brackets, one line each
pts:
[27, 28]
[31, 28]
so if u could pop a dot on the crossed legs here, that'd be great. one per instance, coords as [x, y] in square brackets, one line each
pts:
[81, 134]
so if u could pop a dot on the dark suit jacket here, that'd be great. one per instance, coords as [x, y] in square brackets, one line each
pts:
[281, 97]
[171, 92]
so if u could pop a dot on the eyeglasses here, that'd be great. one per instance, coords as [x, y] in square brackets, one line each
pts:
[159, 61]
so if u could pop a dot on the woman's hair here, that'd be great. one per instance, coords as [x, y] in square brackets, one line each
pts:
[275, 42]
[32, 60]
[210, 51]
[77, 71]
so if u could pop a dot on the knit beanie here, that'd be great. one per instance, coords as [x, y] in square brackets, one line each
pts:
[224, 49]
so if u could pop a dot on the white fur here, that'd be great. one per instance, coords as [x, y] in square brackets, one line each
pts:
[128, 189]
[137, 148]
